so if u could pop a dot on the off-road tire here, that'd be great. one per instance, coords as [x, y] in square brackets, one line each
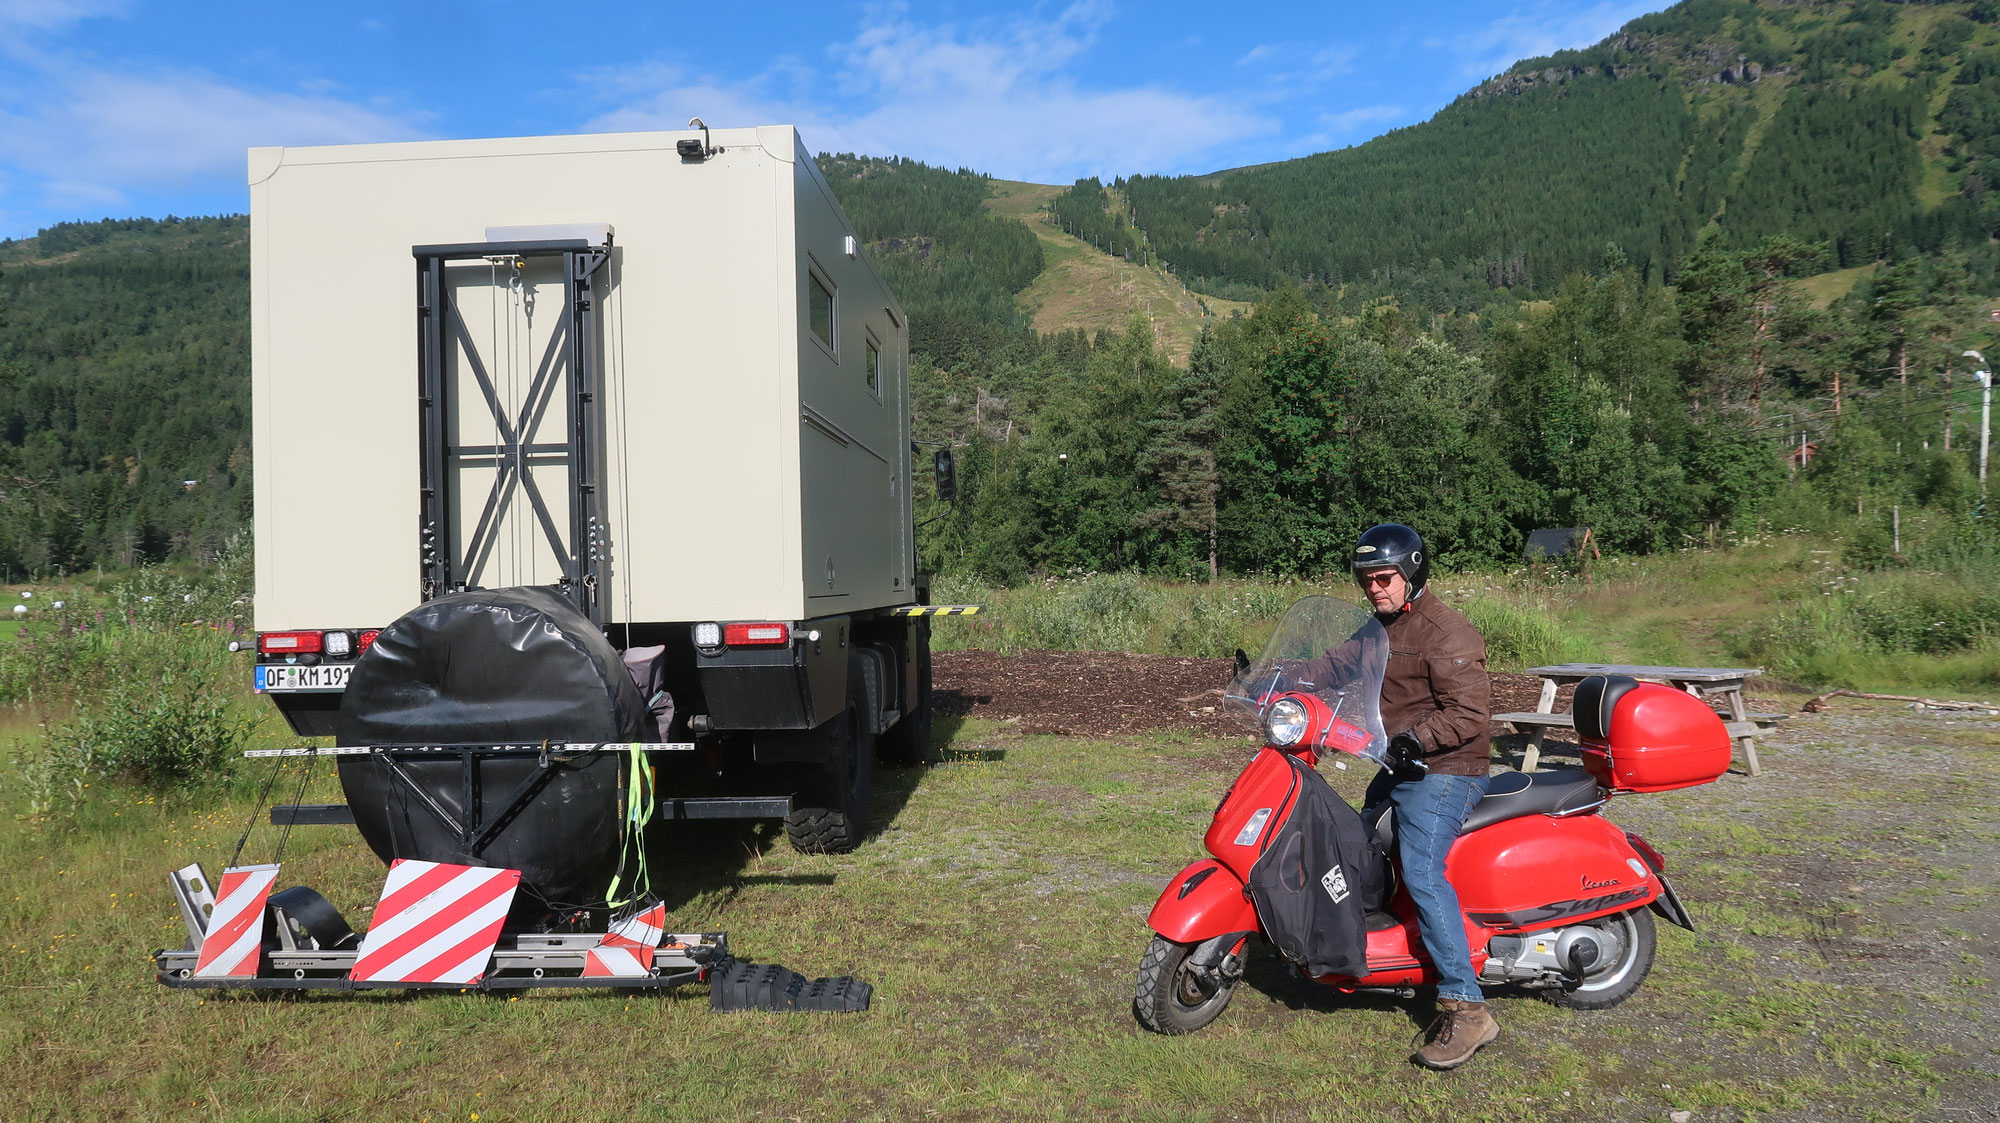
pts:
[830, 811]
[1616, 981]
[1168, 998]
[908, 742]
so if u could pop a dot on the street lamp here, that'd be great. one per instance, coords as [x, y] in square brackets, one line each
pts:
[1985, 378]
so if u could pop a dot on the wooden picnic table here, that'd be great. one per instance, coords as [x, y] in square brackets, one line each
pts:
[1723, 684]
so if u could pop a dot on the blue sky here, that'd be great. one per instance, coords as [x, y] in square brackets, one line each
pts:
[128, 107]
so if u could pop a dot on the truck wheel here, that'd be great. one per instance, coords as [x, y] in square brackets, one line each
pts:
[908, 742]
[830, 812]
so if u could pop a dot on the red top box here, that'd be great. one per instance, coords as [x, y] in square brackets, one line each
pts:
[1656, 738]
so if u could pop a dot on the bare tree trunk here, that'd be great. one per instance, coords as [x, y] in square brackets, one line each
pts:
[1760, 332]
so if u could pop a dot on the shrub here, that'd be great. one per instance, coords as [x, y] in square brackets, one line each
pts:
[164, 718]
[1518, 635]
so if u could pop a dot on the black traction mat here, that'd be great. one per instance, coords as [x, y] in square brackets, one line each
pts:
[737, 985]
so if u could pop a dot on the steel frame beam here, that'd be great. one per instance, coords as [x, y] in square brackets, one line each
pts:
[441, 333]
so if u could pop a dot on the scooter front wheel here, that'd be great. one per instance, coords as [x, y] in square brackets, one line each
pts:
[1173, 996]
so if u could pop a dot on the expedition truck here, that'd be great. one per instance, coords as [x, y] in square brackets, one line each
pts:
[653, 374]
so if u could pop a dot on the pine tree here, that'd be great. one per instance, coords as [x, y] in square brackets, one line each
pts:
[1178, 464]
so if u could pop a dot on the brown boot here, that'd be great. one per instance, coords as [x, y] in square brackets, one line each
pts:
[1462, 1027]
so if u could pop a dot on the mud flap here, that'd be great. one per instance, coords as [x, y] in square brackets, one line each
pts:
[1211, 952]
[737, 985]
[1668, 905]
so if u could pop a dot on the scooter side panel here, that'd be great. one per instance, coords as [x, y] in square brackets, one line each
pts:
[1202, 901]
[1538, 871]
[1256, 805]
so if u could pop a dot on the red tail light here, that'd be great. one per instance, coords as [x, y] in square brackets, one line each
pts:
[288, 643]
[737, 635]
[366, 640]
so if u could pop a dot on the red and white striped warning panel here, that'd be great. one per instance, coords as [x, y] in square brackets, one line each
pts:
[235, 934]
[627, 950]
[435, 923]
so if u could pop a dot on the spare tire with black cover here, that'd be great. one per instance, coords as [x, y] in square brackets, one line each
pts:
[502, 667]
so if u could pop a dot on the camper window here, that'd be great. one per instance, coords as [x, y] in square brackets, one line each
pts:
[819, 309]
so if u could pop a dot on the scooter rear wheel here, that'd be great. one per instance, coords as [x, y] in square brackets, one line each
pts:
[1172, 996]
[1614, 980]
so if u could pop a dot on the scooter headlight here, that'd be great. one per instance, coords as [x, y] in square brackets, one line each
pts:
[1285, 722]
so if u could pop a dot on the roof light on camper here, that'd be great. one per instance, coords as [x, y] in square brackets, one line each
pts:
[288, 643]
[737, 635]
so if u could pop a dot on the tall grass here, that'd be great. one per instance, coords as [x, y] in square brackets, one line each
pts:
[1118, 612]
[140, 680]
[1126, 612]
[1936, 628]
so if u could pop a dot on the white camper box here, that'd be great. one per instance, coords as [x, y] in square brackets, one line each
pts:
[754, 443]
[656, 370]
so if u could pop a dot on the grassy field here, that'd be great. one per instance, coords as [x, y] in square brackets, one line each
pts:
[999, 910]
[1785, 602]
[1081, 287]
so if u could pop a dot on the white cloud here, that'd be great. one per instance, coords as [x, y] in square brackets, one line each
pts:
[1366, 115]
[999, 95]
[92, 135]
[1542, 28]
[1296, 62]
[52, 15]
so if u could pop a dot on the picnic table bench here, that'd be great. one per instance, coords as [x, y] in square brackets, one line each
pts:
[1722, 684]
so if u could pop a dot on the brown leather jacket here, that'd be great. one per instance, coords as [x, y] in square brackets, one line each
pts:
[1436, 686]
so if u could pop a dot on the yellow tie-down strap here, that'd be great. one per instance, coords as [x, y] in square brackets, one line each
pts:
[936, 610]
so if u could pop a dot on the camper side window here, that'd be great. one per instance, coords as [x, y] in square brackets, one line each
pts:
[874, 368]
[819, 309]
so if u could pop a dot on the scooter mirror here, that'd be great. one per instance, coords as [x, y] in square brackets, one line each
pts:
[1242, 661]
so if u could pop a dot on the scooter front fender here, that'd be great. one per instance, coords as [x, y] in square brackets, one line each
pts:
[1202, 902]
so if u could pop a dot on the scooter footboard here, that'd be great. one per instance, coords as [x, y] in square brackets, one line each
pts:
[1203, 901]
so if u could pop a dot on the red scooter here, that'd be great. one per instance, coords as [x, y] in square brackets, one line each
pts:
[1555, 896]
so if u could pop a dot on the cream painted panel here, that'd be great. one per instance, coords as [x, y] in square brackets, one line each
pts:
[699, 344]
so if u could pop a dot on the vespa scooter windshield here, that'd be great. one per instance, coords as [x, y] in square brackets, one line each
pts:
[1326, 647]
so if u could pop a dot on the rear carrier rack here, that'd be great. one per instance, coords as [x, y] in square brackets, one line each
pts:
[478, 822]
[437, 926]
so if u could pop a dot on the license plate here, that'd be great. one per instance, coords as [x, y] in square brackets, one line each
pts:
[279, 678]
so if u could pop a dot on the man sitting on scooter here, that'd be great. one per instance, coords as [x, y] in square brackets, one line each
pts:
[1438, 700]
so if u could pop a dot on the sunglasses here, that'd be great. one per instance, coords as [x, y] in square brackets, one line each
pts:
[1379, 580]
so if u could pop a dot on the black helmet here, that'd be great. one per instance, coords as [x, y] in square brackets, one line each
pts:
[1393, 544]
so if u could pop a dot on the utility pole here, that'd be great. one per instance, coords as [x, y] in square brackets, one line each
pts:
[1985, 378]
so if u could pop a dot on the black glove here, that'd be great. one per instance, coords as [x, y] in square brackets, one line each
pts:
[1404, 757]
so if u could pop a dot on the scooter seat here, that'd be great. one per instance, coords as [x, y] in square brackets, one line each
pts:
[1510, 795]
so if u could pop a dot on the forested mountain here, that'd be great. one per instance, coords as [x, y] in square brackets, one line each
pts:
[1662, 198]
[1860, 125]
[124, 392]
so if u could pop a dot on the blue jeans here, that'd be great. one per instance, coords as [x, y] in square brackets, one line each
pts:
[1428, 814]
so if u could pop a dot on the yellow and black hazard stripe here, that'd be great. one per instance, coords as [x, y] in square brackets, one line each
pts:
[936, 610]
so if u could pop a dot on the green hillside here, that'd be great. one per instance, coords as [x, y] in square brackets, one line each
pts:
[1462, 324]
[1862, 126]
[124, 392]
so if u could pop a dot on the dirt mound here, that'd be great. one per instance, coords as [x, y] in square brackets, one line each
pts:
[1098, 694]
